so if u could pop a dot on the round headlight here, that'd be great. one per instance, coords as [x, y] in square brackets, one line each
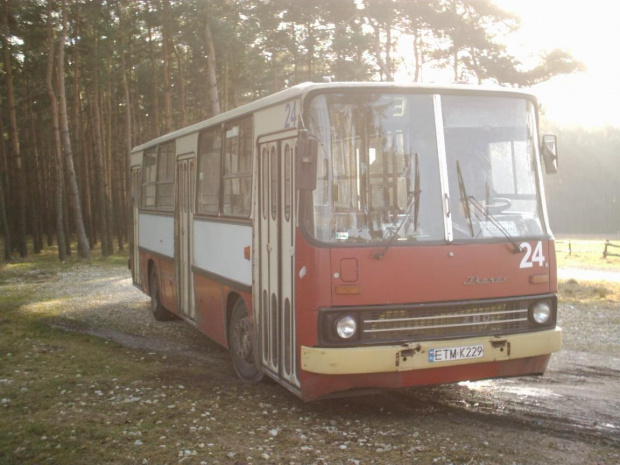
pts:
[346, 327]
[541, 312]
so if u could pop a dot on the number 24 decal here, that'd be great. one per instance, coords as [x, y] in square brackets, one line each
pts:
[291, 115]
[532, 256]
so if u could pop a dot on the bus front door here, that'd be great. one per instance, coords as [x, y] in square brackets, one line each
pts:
[183, 220]
[276, 314]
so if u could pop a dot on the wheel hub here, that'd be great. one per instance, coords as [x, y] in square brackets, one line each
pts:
[243, 340]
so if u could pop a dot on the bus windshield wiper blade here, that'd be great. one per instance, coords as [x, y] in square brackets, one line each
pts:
[416, 193]
[413, 199]
[464, 199]
[494, 221]
[393, 232]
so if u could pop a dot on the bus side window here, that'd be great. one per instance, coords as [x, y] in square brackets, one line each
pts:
[165, 176]
[237, 175]
[158, 177]
[209, 156]
[149, 178]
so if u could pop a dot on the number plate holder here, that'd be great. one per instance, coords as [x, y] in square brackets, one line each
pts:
[447, 354]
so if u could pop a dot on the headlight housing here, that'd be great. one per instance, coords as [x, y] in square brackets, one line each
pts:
[541, 312]
[345, 327]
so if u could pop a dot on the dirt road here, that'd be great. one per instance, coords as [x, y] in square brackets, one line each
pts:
[569, 416]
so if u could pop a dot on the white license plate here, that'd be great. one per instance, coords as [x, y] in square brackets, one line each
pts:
[455, 353]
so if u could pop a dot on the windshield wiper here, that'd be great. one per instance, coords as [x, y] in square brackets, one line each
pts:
[413, 199]
[465, 200]
[416, 193]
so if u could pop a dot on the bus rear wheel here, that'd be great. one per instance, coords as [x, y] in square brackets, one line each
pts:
[242, 345]
[160, 313]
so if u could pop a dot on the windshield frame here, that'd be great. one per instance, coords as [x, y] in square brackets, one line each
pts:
[306, 206]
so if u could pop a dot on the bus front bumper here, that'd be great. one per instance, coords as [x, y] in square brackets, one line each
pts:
[429, 354]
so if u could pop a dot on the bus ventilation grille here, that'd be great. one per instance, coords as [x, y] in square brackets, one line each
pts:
[444, 322]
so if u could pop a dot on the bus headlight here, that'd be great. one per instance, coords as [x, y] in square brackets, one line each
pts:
[346, 327]
[540, 312]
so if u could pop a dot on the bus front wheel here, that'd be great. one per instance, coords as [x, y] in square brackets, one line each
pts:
[242, 345]
[157, 309]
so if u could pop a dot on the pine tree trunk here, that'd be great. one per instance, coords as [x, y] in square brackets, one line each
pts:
[108, 165]
[47, 163]
[66, 214]
[128, 121]
[378, 49]
[455, 57]
[166, 39]
[211, 68]
[100, 184]
[33, 180]
[3, 214]
[59, 178]
[5, 225]
[74, 193]
[310, 46]
[181, 80]
[14, 138]
[154, 85]
[88, 185]
[78, 135]
[417, 56]
[388, 53]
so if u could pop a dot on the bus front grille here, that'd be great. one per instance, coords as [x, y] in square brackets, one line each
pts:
[443, 322]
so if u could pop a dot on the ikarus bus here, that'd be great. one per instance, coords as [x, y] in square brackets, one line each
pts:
[347, 237]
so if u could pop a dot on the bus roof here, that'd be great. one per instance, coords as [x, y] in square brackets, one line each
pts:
[305, 88]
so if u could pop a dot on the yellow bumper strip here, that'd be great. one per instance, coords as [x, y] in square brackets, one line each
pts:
[414, 355]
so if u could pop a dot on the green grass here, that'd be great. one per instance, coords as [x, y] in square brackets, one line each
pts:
[587, 254]
[55, 395]
[45, 264]
[578, 253]
[588, 292]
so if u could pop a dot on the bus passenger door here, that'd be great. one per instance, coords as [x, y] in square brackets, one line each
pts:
[276, 314]
[136, 180]
[183, 219]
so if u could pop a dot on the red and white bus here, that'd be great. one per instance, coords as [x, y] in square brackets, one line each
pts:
[346, 237]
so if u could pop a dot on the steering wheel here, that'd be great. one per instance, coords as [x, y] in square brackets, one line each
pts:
[497, 205]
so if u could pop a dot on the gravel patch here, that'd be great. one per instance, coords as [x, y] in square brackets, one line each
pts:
[105, 303]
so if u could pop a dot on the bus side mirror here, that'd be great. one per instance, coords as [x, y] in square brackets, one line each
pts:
[306, 162]
[549, 152]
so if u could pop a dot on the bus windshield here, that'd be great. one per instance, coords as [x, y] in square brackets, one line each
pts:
[380, 168]
[492, 140]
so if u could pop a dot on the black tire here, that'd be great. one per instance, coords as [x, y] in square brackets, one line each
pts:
[242, 345]
[157, 309]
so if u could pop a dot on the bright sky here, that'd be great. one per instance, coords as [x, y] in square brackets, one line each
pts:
[590, 31]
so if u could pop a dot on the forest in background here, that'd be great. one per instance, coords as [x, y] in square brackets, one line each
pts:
[583, 197]
[83, 81]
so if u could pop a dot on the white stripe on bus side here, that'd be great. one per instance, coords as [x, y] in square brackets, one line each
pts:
[157, 234]
[219, 249]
